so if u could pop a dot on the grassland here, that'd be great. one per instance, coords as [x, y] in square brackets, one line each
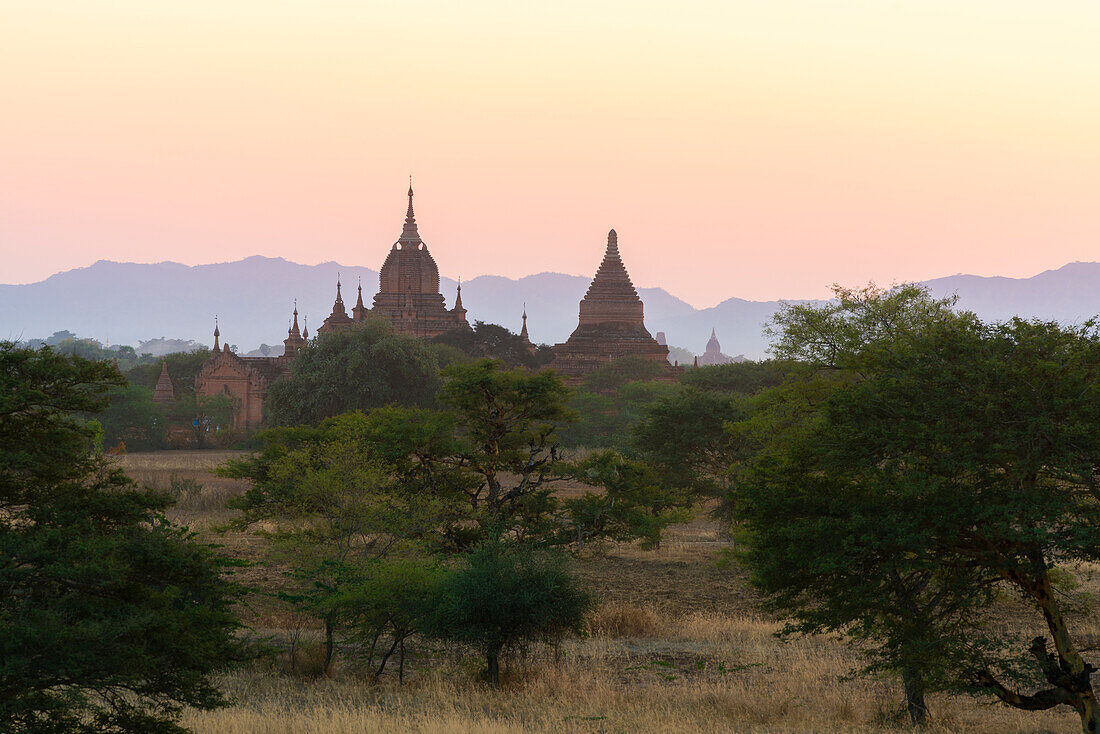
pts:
[677, 645]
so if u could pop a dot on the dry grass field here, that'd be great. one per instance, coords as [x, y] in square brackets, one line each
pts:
[677, 645]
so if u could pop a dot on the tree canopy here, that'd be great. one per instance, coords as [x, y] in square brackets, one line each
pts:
[932, 463]
[114, 619]
[355, 369]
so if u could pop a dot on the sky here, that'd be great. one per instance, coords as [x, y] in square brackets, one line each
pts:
[758, 150]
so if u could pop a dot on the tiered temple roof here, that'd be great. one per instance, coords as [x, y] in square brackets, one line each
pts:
[611, 324]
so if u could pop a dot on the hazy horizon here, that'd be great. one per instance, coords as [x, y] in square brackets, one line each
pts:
[372, 287]
[740, 149]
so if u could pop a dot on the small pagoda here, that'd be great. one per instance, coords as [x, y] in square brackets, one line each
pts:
[611, 324]
[164, 392]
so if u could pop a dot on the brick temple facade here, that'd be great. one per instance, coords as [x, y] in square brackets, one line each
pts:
[245, 379]
[611, 322]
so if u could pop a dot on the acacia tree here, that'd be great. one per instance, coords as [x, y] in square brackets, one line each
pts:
[332, 509]
[945, 460]
[113, 618]
[501, 597]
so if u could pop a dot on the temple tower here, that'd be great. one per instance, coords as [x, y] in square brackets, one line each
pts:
[408, 287]
[164, 392]
[610, 324]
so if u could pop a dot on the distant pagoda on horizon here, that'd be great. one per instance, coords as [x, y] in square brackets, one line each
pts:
[611, 322]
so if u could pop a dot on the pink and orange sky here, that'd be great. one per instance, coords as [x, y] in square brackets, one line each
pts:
[751, 149]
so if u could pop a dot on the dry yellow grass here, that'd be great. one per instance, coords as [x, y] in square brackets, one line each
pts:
[677, 646]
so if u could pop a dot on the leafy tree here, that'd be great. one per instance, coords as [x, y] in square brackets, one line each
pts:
[113, 618]
[132, 416]
[943, 462]
[183, 368]
[355, 369]
[489, 341]
[210, 417]
[389, 604]
[637, 502]
[738, 378]
[501, 598]
[610, 402]
[337, 512]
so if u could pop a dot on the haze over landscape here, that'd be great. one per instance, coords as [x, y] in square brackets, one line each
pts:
[750, 150]
[254, 297]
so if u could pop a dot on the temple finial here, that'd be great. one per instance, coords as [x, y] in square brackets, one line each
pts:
[305, 329]
[612, 241]
[216, 332]
[409, 234]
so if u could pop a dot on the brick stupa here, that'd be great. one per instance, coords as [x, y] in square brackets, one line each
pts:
[611, 324]
[164, 392]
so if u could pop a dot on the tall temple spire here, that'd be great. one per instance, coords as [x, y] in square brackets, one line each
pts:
[458, 297]
[305, 329]
[359, 301]
[294, 327]
[216, 332]
[409, 233]
[523, 331]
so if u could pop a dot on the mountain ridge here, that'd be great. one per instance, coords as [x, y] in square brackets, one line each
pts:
[128, 302]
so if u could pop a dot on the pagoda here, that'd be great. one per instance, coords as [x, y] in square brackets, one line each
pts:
[408, 291]
[164, 392]
[713, 354]
[610, 325]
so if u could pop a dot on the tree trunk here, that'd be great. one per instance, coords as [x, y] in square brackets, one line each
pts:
[494, 667]
[915, 706]
[330, 644]
[401, 663]
[1090, 716]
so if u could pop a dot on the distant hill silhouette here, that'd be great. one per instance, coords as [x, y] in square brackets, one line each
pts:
[129, 302]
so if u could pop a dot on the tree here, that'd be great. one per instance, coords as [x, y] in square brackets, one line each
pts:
[943, 462]
[113, 618]
[611, 401]
[501, 598]
[638, 501]
[132, 416]
[337, 514]
[183, 368]
[356, 369]
[489, 341]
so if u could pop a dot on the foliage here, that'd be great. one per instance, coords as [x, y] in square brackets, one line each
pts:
[490, 341]
[337, 512]
[355, 369]
[637, 502]
[114, 619]
[503, 597]
[738, 378]
[133, 417]
[942, 461]
[183, 368]
[209, 417]
[610, 406]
